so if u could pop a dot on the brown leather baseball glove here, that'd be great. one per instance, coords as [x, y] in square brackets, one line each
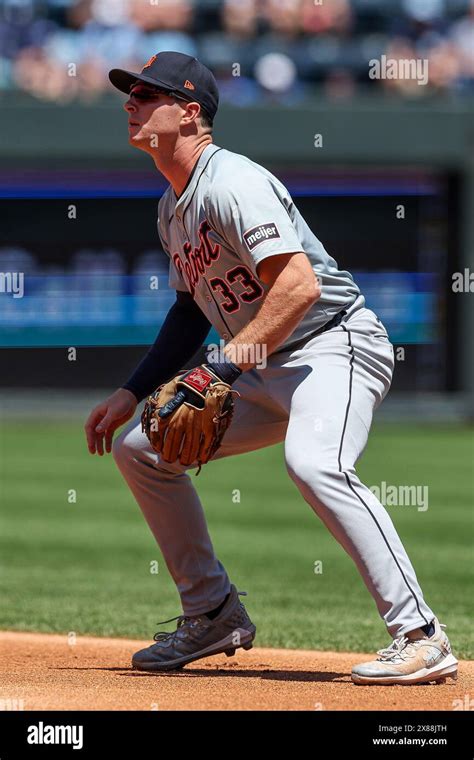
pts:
[186, 418]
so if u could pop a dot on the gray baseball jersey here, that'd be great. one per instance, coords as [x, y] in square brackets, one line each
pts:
[232, 214]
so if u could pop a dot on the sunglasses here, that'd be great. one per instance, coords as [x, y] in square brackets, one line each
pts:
[148, 95]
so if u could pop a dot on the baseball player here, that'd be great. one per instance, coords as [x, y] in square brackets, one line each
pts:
[242, 259]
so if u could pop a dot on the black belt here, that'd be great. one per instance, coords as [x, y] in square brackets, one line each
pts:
[334, 322]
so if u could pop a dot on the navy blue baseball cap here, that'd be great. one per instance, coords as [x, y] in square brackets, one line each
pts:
[175, 73]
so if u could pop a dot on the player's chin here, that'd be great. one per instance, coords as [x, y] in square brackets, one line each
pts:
[136, 138]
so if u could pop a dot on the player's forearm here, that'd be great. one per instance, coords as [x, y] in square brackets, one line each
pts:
[280, 314]
[182, 334]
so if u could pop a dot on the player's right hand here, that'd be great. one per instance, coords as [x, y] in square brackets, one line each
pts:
[106, 417]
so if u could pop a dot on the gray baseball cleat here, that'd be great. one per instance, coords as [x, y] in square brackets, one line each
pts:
[198, 636]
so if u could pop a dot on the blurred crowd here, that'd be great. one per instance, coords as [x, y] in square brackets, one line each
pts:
[89, 287]
[277, 50]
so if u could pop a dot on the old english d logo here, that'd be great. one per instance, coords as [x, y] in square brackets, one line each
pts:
[189, 85]
[197, 259]
[149, 63]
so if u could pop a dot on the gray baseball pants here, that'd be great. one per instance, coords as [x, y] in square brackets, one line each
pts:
[319, 400]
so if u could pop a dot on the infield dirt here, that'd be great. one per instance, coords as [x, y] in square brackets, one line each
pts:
[51, 672]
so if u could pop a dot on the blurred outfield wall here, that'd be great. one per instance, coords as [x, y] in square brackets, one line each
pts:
[366, 132]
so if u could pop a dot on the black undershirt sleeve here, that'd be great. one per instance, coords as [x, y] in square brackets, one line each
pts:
[182, 334]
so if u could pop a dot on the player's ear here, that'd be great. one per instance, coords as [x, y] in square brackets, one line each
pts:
[192, 112]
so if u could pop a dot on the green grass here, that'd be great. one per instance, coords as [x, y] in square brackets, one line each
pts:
[85, 566]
